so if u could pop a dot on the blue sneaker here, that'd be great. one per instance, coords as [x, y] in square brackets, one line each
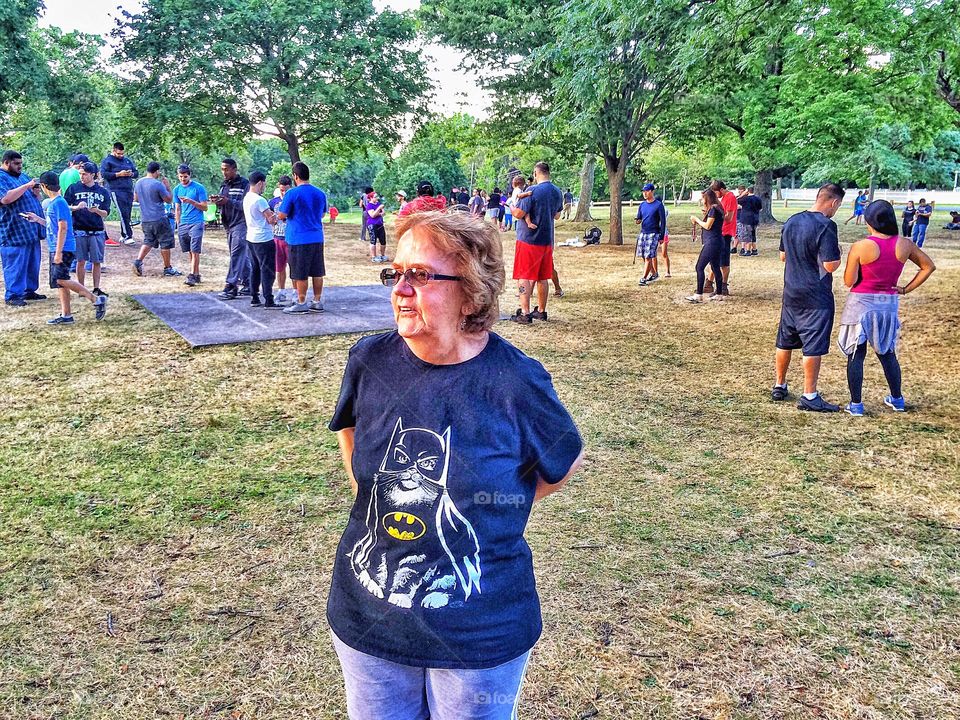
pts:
[895, 404]
[855, 409]
[61, 320]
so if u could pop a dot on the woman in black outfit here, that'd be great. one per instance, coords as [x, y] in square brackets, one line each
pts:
[909, 215]
[712, 223]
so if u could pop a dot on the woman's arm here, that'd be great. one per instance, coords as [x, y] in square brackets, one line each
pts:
[345, 441]
[852, 271]
[543, 487]
[705, 225]
[922, 260]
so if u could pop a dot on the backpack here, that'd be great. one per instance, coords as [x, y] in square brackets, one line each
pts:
[592, 236]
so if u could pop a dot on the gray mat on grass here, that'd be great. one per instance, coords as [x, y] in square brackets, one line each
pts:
[201, 319]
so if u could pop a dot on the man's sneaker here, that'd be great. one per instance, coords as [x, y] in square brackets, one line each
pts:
[99, 293]
[244, 292]
[255, 301]
[129, 241]
[695, 299]
[34, 296]
[61, 320]
[110, 242]
[270, 303]
[754, 252]
[138, 268]
[100, 307]
[537, 313]
[642, 282]
[316, 306]
[818, 404]
[227, 294]
[519, 317]
[895, 404]
[297, 308]
[171, 272]
[743, 253]
[190, 280]
[855, 409]
[16, 302]
[653, 278]
[779, 392]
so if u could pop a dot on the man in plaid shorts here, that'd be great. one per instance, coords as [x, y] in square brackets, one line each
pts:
[652, 219]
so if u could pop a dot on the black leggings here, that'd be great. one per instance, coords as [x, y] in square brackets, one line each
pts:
[891, 370]
[710, 255]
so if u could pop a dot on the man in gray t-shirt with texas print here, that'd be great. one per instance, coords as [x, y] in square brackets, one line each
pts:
[152, 192]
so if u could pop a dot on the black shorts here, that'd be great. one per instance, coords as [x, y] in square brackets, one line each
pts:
[60, 271]
[158, 234]
[306, 261]
[378, 234]
[808, 329]
[725, 250]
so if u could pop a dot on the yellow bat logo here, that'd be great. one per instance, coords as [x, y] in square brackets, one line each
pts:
[404, 526]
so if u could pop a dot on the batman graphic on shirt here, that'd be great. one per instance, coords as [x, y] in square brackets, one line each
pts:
[418, 548]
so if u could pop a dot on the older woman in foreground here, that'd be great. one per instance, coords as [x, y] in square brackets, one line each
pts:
[448, 435]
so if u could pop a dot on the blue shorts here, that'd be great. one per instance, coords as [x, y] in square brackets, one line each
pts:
[91, 246]
[808, 329]
[378, 689]
[648, 245]
[191, 237]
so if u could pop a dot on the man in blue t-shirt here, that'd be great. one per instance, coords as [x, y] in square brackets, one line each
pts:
[652, 219]
[189, 205]
[533, 261]
[924, 212]
[303, 208]
[810, 251]
[62, 245]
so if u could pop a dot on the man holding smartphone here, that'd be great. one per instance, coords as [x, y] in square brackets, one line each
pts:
[19, 237]
[230, 202]
[118, 173]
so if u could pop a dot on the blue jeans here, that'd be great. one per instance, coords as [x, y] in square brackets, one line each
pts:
[21, 270]
[919, 234]
[508, 220]
[238, 273]
[378, 689]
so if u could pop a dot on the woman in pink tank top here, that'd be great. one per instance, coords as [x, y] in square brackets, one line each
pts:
[871, 313]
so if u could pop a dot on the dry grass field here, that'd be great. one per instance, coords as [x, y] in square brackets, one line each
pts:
[168, 517]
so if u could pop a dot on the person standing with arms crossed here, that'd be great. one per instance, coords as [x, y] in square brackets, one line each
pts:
[810, 251]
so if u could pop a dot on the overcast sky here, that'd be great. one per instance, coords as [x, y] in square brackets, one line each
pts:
[454, 91]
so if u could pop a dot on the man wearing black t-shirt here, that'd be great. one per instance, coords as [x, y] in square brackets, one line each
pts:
[748, 217]
[810, 251]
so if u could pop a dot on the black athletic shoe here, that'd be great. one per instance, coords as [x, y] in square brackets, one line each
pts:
[99, 293]
[244, 292]
[191, 280]
[227, 295]
[519, 317]
[537, 313]
[753, 252]
[255, 301]
[34, 296]
[779, 393]
[16, 302]
[270, 304]
[818, 404]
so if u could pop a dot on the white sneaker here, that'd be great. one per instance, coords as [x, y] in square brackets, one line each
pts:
[129, 241]
[280, 297]
[297, 309]
[316, 306]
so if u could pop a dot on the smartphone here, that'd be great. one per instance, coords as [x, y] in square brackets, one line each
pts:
[24, 216]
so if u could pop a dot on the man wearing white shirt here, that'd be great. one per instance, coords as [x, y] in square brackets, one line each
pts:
[263, 251]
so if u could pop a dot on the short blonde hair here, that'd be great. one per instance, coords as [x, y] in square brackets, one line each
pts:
[475, 247]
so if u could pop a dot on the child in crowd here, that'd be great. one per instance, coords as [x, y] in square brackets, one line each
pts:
[62, 246]
[374, 209]
[333, 214]
[519, 194]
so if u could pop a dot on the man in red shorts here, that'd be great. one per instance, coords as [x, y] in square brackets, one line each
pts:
[533, 261]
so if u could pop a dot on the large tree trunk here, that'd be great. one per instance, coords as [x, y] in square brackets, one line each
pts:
[873, 186]
[763, 187]
[293, 147]
[586, 187]
[616, 169]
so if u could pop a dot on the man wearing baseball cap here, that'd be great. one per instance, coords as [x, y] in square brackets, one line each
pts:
[652, 219]
[425, 200]
[90, 204]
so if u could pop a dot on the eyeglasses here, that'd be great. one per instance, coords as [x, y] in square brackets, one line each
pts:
[414, 276]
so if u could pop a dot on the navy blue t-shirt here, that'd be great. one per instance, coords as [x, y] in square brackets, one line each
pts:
[715, 233]
[652, 217]
[433, 569]
[542, 206]
[809, 239]
[749, 212]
